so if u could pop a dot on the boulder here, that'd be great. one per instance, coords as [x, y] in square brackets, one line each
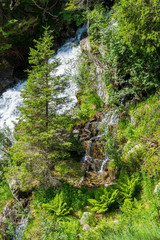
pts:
[85, 44]
[84, 218]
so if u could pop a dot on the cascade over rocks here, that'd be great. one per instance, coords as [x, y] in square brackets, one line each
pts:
[92, 142]
[95, 163]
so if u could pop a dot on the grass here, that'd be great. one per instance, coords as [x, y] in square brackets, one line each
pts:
[5, 195]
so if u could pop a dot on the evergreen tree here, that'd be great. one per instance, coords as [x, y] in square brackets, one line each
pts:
[40, 123]
[42, 134]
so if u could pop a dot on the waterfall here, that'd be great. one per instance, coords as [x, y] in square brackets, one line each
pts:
[103, 163]
[92, 138]
[110, 119]
[10, 100]
[9, 103]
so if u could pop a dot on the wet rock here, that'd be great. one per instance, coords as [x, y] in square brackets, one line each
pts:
[84, 35]
[98, 150]
[76, 133]
[85, 44]
[10, 212]
[6, 75]
[94, 129]
[13, 216]
[99, 116]
[92, 140]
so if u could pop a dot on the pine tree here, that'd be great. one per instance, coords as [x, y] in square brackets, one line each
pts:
[39, 122]
[42, 134]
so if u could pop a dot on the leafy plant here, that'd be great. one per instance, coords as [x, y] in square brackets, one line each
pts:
[129, 73]
[57, 206]
[139, 23]
[127, 186]
[104, 201]
[5, 194]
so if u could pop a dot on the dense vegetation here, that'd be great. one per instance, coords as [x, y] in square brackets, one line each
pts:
[124, 42]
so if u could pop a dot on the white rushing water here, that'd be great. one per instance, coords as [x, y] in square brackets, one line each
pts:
[103, 163]
[67, 54]
[9, 103]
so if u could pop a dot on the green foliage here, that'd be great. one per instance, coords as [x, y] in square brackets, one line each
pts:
[57, 206]
[29, 164]
[88, 99]
[67, 229]
[129, 74]
[110, 145]
[10, 229]
[76, 4]
[139, 23]
[6, 140]
[90, 103]
[39, 121]
[128, 186]
[147, 190]
[76, 198]
[86, 79]
[43, 195]
[5, 194]
[131, 210]
[73, 16]
[139, 138]
[69, 167]
[126, 76]
[103, 201]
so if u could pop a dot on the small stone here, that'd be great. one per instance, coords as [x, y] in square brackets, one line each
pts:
[84, 218]
[86, 227]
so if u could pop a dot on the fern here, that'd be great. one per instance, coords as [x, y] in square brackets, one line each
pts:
[104, 202]
[57, 206]
[127, 187]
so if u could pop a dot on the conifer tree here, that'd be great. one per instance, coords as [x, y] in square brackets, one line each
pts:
[42, 134]
[40, 123]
